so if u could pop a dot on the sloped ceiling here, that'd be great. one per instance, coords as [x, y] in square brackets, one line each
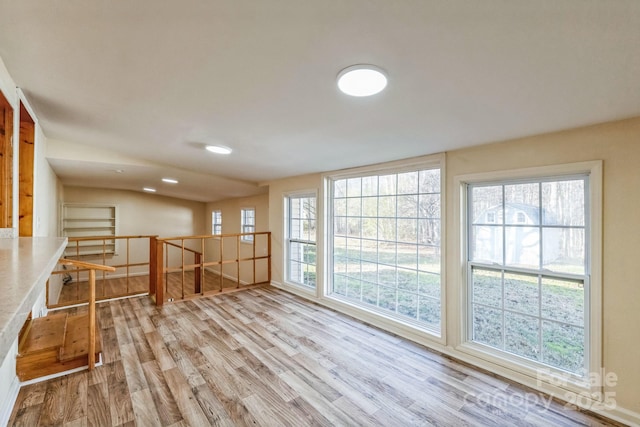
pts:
[156, 80]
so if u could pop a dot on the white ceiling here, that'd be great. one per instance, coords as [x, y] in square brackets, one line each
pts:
[157, 79]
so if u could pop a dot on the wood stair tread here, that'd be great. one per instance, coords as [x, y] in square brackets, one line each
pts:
[76, 339]
[43, 333]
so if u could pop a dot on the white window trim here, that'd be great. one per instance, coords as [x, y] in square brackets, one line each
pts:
[373, 316]
[285, 228]
[246, 239]
[213, 223]
[552, 377]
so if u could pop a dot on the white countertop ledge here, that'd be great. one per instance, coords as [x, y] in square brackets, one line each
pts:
[25, 266]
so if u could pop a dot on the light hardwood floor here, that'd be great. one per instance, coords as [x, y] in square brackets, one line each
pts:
[265, 357]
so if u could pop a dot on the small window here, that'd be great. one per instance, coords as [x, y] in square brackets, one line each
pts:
[216, 222]
[248, 223]
[301, 240]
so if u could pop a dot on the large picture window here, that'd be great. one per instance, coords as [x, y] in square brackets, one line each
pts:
[528, 246]
[386, 241]
[301, 239]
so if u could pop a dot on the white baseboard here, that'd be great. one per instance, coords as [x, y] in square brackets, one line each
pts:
[9, 401]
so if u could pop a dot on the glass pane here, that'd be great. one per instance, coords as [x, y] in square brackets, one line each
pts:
[429, 284]
[369, 272]
[407, 255]
[429, 231]
[563, 203]
[563, 346]
[354, 269]
[521, 293]
[408, 183]
[486, 205]
[564, 250]
[522, 204]
[387, 184]
[487, 244]
[387, 276]
[339, 284]
[310, 276]
[354, 207]
[354, 288]
[387, 206]
[429, 206]
[387, 253]
[429, 312]
[370, 206]
[487, 287]
[429, 259]
[487, 326]
[296, 272]
[369, 250]
[408, 206]
[340, 188]
[354, 227]
[522, 335]
[430, 181]
[354, 187]
[340, 207]
[387, 298]
[370, 228]
[408, 279]
[563, 301]
[340, 226]
[387, 229]
[353, 249]
[309, 255]
[370, 186]
[369, 293]
[296, 251]
[296, 229]
[407, 230]
[522, 247]
[408, 304]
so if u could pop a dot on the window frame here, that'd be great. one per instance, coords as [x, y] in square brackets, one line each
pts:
[593, 274]
[436, 161]
[244, 226]
[215, 215]
[287, 227]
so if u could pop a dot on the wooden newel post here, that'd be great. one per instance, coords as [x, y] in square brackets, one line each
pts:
[159, 282]
[153, 265]
[92, 319]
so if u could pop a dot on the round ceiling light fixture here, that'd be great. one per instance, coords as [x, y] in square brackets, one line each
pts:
[362, 80]
[218, 149]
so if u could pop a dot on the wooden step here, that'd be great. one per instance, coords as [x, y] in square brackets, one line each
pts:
[76, 339]
[54, 344]
[43, 333]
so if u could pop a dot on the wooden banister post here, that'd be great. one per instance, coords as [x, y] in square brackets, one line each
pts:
[153, 265]
[159, 273]
[197, 279]
[92, 319]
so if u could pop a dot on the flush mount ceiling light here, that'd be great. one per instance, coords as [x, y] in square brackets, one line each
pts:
[170, 180]
[218, 149]
[362, 80]
[149, 189]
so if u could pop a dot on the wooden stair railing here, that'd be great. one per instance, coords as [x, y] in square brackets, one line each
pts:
[197, 261]
[92, 301]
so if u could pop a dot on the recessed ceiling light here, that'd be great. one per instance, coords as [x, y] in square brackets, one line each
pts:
[149, 189]
[362, 80]
[170, 180]
[218, 149]
[118, 170]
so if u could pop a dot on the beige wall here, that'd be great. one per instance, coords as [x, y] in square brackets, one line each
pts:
[141, 213]
[231, 224]
[618, 145]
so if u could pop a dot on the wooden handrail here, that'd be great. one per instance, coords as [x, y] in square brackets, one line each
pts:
[81, 239]
[91, 356]
[216, 236]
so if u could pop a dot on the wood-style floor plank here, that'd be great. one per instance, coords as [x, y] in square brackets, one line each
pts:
[265, 357]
